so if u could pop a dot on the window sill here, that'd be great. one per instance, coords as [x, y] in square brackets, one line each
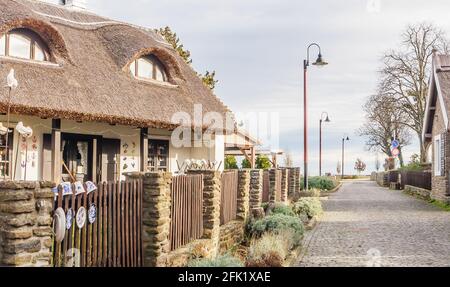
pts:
[9, 59]
[155, 82]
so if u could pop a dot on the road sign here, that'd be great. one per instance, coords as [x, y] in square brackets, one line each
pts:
[396, 152]
[395, 144]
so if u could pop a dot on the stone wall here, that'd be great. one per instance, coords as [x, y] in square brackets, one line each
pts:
[418, 192]
[156, 218]
[243, 197]
[382, 179]
[25, 224]
[256, 189]
[231, 234]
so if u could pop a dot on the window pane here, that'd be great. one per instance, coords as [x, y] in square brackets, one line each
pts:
[2, 45]
[145, 69]
[133, 68]
[39, 54]
[159, 75]
[19, 46]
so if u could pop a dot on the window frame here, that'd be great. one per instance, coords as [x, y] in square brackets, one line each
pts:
[35, 42]
[437, 142]
[157, 65]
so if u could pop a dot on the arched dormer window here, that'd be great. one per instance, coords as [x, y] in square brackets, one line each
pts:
[149, 68]
[23, 44]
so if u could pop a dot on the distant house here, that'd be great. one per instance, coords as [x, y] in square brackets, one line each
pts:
[99, 94]
[436, 126]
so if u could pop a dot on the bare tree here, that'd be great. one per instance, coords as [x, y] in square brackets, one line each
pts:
[384, 123]
[406, 72]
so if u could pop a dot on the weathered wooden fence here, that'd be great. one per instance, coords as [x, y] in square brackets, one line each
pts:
[278, 183]
[114, 239]
[420, 179]
[186, 222]
[228, 204]
[266, 187]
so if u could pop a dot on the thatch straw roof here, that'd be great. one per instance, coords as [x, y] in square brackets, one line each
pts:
[90, 80]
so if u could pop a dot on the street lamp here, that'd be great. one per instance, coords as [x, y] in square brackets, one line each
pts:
[344, 139]
[11, 84]
[327, 120]
[319, 63]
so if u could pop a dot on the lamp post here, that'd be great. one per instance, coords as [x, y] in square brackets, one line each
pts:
[344, 139]
[319, 63]
[11, 84]
[327, 120]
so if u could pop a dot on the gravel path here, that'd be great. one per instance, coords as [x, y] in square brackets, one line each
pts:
[365, 225]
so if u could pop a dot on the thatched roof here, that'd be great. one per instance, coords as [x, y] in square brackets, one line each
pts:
[90, 80]
[439, 92]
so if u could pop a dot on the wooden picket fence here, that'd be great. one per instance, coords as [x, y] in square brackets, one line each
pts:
[114, 239]
[228, 203]
[266, 187]
[186, 222]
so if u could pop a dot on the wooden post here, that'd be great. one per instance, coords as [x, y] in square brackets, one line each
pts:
[253, 157]
[94, 160]
[144, 149]
[56, 150]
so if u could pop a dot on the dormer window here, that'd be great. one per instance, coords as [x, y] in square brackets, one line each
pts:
[23, 44]
[148, 68]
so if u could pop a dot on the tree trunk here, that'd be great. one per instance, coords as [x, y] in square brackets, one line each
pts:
[400, 157]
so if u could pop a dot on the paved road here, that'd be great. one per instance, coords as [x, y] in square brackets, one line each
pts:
[365, 225]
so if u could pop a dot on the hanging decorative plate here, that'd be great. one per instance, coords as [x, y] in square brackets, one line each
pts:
[90, 186]
[92, 214]
[66, 188]
[81, 217]
[69, 218]
[79, 188]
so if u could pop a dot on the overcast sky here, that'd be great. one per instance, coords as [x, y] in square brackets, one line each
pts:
[257, 48]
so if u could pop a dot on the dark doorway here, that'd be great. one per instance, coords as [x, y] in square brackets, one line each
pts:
[77, 155]
[110, 160]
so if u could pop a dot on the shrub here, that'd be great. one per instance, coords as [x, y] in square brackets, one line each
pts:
[270, 250]
[321, 183]
[311, 193]
[226, 260]
[263, 162]
[277, 223]
[246, 163]
[309, 207]
[283, 209]
[231, 162]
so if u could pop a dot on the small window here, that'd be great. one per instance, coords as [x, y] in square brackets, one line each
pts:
[2, 45]
[24, 44]
[148, 67]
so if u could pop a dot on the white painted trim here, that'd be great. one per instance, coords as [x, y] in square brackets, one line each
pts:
[437, 168]
[441, 101]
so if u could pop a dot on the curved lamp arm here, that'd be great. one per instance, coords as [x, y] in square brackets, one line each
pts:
[307, 55]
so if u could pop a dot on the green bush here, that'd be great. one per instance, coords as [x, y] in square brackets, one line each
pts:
[263, 162]
[322, 183]
[309, 207]
[271, 249]
[283, 209]
[231, 162]
[246, 163]
[226, 260]
[277, 223]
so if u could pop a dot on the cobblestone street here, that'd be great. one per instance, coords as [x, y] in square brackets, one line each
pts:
[365, 225]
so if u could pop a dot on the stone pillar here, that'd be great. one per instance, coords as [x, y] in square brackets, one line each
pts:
[25, 224]
[292, 183]
[243, 197]
[272, 186]
[284, 184]
[156, 218]
[212, 182]
[256, 189]
[297, 179]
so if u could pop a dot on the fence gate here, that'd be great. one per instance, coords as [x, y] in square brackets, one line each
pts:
[114, 239]
[228, 203]
[186, 222]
